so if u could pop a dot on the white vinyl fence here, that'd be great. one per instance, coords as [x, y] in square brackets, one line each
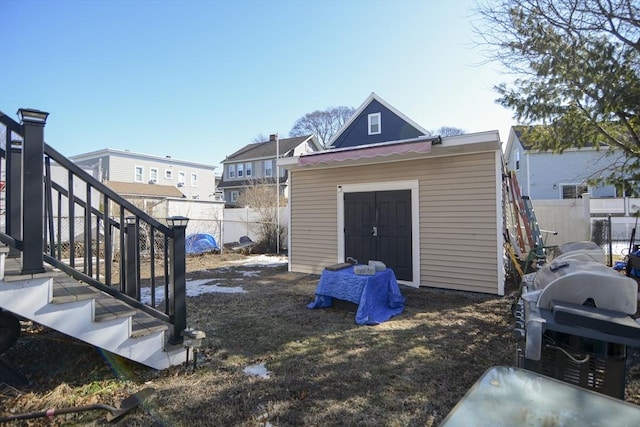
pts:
[240, 222]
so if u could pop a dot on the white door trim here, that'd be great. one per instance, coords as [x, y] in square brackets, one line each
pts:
[412, 185]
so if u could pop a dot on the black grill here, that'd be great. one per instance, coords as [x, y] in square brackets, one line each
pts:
[574, 340]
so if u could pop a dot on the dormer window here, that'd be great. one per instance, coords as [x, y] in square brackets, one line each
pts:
[374, 124]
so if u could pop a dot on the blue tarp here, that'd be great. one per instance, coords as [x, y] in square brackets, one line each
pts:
[200, 243]
[622, 266]
[378, 297]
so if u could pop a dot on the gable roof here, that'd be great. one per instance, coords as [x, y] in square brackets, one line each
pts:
[268, 149]
[141, 189]
[375, 98]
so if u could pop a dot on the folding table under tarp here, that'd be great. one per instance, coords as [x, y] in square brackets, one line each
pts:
[378, 296]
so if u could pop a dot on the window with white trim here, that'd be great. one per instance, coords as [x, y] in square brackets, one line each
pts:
[153, 175]
[268, 168]
[181, 178]
[138, 174]
[231, 171]
[168, 174]
[375, 127]
[574, 191]
[234, 196]
[194, 179]
[248, 169]
[517, 156]
[240, 170]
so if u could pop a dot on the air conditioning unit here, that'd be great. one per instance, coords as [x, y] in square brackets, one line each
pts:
[181, 184]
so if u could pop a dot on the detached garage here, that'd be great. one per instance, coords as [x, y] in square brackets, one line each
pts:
[429, 208]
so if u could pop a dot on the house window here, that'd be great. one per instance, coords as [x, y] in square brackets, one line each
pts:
[168, 174]
[234, 196]
[574, 191]
[247, 170]
[374, 124]
[194, 179]
[231, 171]
[181, 178]
[268, 169]
[517, 156]
[138, 174]
[239, 168]
[153, 175]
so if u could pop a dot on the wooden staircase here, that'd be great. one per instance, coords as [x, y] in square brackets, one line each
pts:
[55, 300]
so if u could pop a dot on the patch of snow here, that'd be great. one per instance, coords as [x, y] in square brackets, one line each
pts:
[213, 289]
[259, 370]
[252, 273]
[198, 287]
[263, 261]
[194, 288]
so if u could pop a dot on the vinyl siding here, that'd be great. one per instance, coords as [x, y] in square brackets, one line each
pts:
[458, 217]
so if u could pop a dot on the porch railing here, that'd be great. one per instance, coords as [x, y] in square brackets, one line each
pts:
[56, 212]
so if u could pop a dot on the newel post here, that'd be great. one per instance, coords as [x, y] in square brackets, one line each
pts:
[33, 122]
[177, 281]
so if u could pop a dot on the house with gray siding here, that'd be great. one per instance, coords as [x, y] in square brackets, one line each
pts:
[255, 165]
[194, 181]
[544, 175]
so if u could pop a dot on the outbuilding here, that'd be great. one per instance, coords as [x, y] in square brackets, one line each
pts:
[428, 207]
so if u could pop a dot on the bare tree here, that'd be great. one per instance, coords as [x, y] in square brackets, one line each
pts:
[260, 138]
[448, 131]
[323, 124]
[261, 196]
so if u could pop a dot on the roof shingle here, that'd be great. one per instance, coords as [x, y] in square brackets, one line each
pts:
[141, 189]
[266, 149]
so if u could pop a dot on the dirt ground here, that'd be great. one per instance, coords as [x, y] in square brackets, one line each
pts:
[322, 368]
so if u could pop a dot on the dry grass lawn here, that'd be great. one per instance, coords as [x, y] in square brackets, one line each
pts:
[324, 370]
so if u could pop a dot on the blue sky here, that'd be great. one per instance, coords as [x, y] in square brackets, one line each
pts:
[199, 79]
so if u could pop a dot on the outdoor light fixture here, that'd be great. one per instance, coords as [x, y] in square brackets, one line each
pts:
[192, 342]
[130, 220]
[30, 115]
[177, 221]
[555, 186]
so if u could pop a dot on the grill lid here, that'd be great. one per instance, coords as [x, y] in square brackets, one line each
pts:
[585, 283]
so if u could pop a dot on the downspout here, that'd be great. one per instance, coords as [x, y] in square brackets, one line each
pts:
[528, 176]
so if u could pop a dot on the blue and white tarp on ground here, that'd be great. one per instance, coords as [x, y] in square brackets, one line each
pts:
[378, 296]
[200, 243]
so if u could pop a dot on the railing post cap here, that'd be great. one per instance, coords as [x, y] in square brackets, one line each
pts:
[31, 115]
[177, 221]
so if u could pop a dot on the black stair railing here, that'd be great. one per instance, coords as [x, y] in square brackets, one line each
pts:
[87, 230]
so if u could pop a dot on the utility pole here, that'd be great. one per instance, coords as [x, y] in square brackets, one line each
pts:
[277, 139]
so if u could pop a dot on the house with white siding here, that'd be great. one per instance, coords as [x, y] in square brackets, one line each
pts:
[193, 181]
[545, 175]
[428, 207]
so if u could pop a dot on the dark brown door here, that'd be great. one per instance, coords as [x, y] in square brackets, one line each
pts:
[378, 227]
